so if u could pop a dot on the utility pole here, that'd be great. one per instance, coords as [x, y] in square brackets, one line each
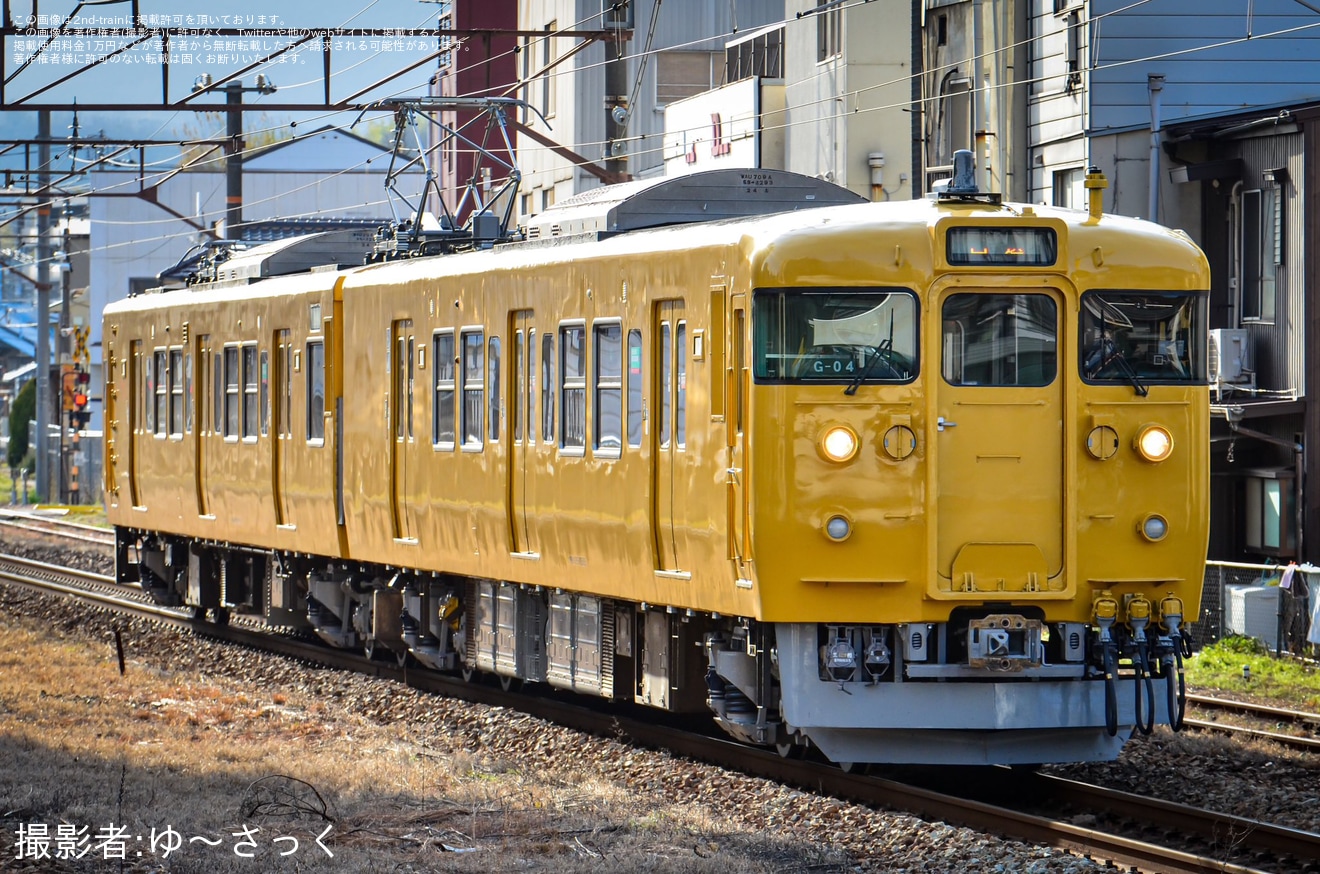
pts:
[617, 19]
[43, 305]
[234, 150]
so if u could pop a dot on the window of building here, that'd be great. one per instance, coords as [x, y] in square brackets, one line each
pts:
[609, 388]
[759, 55]
[1270, 513]
[548, 78]
[828, 37]
[316, 391]
[1070, 188]
[1260, 225]
[955, 118]
[474, 375]
[680, 74]
[442, 411]
[573, 367]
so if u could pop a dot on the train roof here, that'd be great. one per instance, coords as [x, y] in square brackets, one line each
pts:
[699, 197]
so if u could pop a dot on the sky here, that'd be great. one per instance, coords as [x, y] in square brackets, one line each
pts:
[135, 76]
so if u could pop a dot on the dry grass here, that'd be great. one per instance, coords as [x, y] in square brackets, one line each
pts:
[207, 757]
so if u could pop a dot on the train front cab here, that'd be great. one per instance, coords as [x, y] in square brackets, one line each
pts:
[986, 533]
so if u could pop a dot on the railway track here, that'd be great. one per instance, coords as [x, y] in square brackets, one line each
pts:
[1207, 841]
[37, 523]
[1261, 713]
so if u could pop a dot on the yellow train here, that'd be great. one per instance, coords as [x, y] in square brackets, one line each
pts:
[916, 481]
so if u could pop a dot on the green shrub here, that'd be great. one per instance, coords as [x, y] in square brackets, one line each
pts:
[20, 413]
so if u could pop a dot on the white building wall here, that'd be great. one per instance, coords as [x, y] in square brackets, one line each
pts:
[578, 85]
[848, 106]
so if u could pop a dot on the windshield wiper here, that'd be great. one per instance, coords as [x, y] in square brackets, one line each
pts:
[876, 351]
[866, 371]
[1121, 363]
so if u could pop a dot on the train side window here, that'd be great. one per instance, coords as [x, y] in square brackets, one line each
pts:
[203, 396]
[218, 413]
[473, 388]
[250, 391]
[442, 409]
[264, 400]
[519, 387]
[531, 386]
[680, 401]
[189, 404]
[548, 387]
[493, 385]
[161, 394]
[739, 365]
[233, 393]
[1000, 340]
[176, 393]
[573, 369]
[284, 385]
[609, 389]
[635, 387]
[316, 392]
[147, 398]
[666, 384]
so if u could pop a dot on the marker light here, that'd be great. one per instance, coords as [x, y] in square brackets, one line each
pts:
[1155, 443]
[837, 528]
[1154, 527]
[838, 443]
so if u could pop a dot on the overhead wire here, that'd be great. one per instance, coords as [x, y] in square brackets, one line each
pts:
[855, 94]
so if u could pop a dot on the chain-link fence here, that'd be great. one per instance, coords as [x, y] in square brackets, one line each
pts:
[1275, 604]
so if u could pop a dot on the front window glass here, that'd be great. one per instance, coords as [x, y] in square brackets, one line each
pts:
[1000, 339]
[1143, 335]
[835, 336]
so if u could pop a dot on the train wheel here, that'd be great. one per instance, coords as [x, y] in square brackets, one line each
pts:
[510, 684]
[221, 616]
[401, 657]
[369, 648]
[857, 768]
[790, 750]
[469, 673]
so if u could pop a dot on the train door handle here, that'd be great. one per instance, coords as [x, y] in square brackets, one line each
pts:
[941, 423]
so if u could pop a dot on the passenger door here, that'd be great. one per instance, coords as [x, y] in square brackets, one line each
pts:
[735, 384]
[669, 333]
[522, 432]
[997, 442]
[282, 424]
[202, 411]
[403, 463]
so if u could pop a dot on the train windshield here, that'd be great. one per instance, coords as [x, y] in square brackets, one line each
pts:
[1140, 337]
[835, 335]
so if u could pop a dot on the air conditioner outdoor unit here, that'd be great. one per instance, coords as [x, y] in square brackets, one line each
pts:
[1229, 364]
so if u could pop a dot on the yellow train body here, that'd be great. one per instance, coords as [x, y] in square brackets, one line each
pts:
[692, 462]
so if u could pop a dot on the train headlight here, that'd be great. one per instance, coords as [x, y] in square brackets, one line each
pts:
[838, 443]
[1155, 443]
[838, 528]
[1154, 527]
